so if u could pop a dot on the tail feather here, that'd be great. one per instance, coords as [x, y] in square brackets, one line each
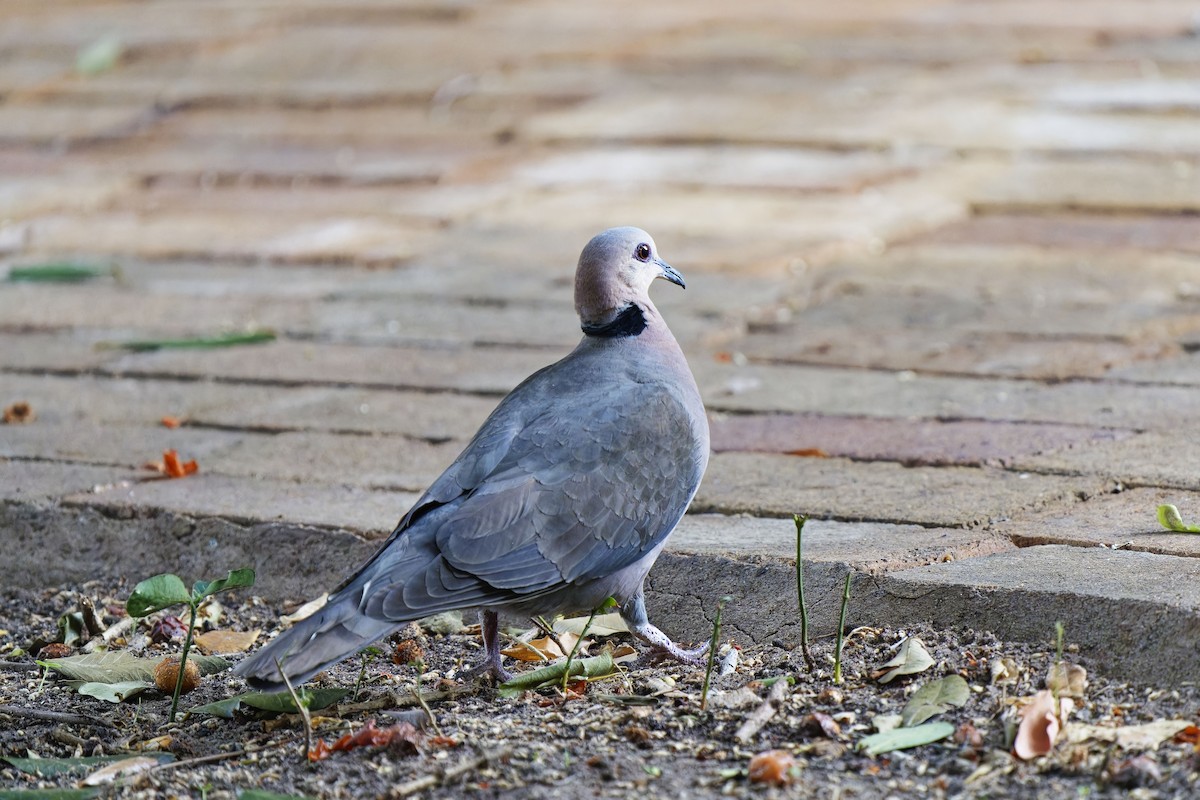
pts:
[313, 644]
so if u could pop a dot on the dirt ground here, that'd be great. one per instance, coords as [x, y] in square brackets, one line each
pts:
[641, 732]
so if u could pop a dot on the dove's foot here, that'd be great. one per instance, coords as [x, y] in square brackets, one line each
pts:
[489, 625]
[661, 646]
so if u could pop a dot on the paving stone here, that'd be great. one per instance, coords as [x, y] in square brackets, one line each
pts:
[39, 481]
[376, 462]
[1125, 520]
[128, 446]
[909, 441]
[1158, 17]
[1076, 231]
[247, 502]
[40, 351]
[851, 392]
[958, 352]
[1129, 185]
[61, 124]
[22, 197]
[1182, 371]
[1152, 458]
[777, 485]
[870, 547]
[1134, 615]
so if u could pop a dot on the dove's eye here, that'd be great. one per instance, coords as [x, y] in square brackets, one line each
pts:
[642, 252]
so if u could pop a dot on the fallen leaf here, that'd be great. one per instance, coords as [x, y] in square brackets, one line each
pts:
[819, 721]
[807, 452]
[1147, 736]
[904, 738]
[117, 666]
[602, 625]
[276, 702]
[623, 654]
[174, 468]
[1066, 680]
[1040, 725]
[319, 752]
[19, 413]
[774, 767]
[56, 273]
[600, 666]
[1136, 771]
[401, 734]
[1005, 670]
[542, 649]
[305, 611]
[202, 342]
[112, 692]
[1170, 518]
[119, 769]
[933, 698]
[911, 659]
[1189, 735]
[171, 422]
[49, 767]
[226, 641]
[737, 698]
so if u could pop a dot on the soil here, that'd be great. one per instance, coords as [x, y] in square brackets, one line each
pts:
[640, 733]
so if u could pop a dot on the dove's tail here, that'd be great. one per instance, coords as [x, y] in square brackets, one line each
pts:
[335, 631]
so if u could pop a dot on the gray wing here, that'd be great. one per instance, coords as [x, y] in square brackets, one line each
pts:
[555, 488]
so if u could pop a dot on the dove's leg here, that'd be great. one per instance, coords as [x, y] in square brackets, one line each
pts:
[661, 646]
[489, 626]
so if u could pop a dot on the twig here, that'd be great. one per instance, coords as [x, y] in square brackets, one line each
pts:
[19, 666]
[118, 628]
[808, 659]
[212, 757]
[53, 716]
[301, 706]
[428, 711]
[762, 715]
[95, 627]
[455, 773]
[712, 652]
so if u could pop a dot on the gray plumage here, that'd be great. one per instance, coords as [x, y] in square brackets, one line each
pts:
[563, 498]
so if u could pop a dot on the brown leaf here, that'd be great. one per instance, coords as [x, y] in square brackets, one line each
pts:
[19, 413]
[819, 721]
[171, 422]
[1040, 725]
[320, 751]
[1189, 735]
[174, 468]
[402, 735]
[1067, 680]
[543, 649]
[807, 452]
[226, 641]
[776, 767]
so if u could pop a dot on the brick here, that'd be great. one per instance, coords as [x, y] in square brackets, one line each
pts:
[128, 446]
[850, 392]
[775, 485]
[1108, 185]
[39, 482]
[1152, 458]
[910, 441]
[870, 547]
[248, 502]
[1076, 231]
[1125, 520]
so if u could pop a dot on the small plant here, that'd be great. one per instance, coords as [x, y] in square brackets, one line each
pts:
[1060, 631]
[808, 659]
[608, 603]
[166, 590]
[712, 652]
[841, 631]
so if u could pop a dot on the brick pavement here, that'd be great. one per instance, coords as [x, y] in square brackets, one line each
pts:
[943, 256]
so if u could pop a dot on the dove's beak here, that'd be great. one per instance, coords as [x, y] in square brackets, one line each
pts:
[669, 273]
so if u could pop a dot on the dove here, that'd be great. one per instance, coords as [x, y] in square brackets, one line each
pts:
[563, 498]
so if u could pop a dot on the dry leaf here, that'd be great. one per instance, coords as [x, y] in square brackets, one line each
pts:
[912, 658]
[776, 767]
[171, 422]
[807, 452]
[602, 625]
[1147, 736]
[624, 654]
[175, 468]
[119, 769]
[306, 610]
[1040, 725]
[1067, 680]
[1005, 670]
[19, 413]
[212, 642]
[544, 649]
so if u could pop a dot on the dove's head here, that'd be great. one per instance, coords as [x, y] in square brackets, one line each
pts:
[616, 270]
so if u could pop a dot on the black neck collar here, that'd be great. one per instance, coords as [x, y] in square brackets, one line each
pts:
[629, 322]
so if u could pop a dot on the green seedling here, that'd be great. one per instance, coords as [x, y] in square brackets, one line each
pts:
[166, 590]
[609, 603]
[712, 652]
[62, 272]
[841, 631]
[808, 659]
[1059, 632]
[1170, 518]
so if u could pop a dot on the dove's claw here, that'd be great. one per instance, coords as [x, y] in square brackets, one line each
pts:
[661, 646]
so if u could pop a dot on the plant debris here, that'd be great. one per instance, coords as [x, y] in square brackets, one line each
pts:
[19, 413]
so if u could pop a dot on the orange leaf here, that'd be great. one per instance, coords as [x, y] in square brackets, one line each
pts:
[807, 452]
[320, 752]
[371, 736]
[174, 468]
[171, 422]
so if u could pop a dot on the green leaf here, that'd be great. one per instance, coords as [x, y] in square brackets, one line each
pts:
[112, 692]
[275, 702]
[199, 342]
[236, 579]
[155, 594]
[49, 767]
[51, 794]
[55, 273]
[933, 698]
[1170, 518]
[589, 668]
[112, 666]
[72, 629]
[904, 738]
[209, 665]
